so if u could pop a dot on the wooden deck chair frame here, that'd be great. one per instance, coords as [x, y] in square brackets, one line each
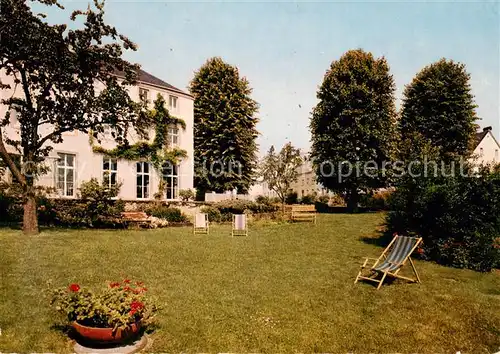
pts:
[198, 229]
[373, 275]
[239, 232]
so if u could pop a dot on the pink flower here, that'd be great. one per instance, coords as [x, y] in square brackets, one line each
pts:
[114, 285]
[127, 281]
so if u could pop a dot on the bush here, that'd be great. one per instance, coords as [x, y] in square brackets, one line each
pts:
[214, 214]
[375, 201]
[456, 216]
[292, 198]
[186, 195]
[167, 213]
[308, 199]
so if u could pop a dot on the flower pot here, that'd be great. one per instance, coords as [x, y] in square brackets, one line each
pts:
[106, 335]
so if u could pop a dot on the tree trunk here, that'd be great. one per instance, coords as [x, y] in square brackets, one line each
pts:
[352, 201]
[30, 217]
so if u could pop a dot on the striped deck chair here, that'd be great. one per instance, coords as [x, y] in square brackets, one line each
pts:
[200, 224]
[239, 225]
[392, 260]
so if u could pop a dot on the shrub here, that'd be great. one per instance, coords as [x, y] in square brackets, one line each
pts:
[164, 212]
[308, 199]
[186, 195]
[375, 201]
[214, 214]
[456, 216]
[291, 198]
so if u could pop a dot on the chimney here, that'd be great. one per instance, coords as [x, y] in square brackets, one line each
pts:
[487, 129]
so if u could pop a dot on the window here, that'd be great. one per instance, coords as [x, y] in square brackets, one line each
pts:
[173, 137]
[109, 171]
[171, 177]
[481, 151]
[496, 155]
[65, 176]
[172, 103]
[143, 94]
[142, 180]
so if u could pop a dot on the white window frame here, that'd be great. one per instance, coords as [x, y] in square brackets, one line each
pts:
[145, 186]
[170, 175]
[173, 136]
[65, 167]
[108, 172]
[175, 106]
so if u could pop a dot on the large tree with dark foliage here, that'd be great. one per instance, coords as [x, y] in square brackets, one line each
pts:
[63, 80]
[353, 125]
[224, 129]
[438, 108]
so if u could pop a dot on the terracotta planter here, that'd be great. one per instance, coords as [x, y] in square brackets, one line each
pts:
[106, 335]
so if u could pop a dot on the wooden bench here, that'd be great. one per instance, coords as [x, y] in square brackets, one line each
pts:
[303, 213]
[136, 217]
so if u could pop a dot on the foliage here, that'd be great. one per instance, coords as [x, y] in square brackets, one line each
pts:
[262, 199]
[375, 201]
[186, 194]
[308, 199]
[456, 216]
[117, 306]
[222, 211]
[224, 129]
[292, 198]
[158, 152]
[167, 213]
[214, 214]
[55, 68]
[438, 109]
[280, 170]
[354, 122]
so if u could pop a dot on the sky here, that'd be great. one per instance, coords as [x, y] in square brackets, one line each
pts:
[285, 48]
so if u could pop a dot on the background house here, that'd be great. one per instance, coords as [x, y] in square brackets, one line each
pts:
[487, 148]
[73, 161]
[306, 182]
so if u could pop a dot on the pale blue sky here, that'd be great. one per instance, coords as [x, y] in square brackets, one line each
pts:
[284, 48]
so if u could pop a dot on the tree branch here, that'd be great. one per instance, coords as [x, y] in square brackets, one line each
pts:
[10, 163]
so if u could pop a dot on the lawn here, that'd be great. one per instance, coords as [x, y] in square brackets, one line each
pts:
[285, 288]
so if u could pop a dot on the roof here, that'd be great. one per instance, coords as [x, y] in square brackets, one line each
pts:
[481, 135]
[147, 78]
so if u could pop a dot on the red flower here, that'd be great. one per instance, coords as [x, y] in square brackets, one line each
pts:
[114, 285]
[74, 288]
[139, 283]
[136, 305]
[420, 250]
[144, 289]
[127, 288]
[127, 281]
[132, 312]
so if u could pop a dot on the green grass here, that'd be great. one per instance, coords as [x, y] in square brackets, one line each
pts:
[284, 288]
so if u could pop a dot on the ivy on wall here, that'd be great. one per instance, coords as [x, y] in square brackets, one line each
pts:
[158, 151]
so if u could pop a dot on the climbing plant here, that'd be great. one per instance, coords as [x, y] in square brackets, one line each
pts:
[158, 152]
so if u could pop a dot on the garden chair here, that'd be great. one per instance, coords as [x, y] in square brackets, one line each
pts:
[239, 225]
[392, 260]
[201, 224]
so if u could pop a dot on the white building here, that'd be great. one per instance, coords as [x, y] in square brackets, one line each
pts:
[73, 161]
[487, 150]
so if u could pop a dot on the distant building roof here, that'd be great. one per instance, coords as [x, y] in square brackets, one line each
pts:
[147, 78]
[480, 135]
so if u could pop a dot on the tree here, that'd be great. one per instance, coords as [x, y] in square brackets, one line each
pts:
[224, 129]
[66, 79]
[353, 125]
[438, 107]
[280, 170]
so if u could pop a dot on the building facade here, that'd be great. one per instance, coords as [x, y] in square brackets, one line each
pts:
[487, 149]
[73, 161]
[306, 183]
